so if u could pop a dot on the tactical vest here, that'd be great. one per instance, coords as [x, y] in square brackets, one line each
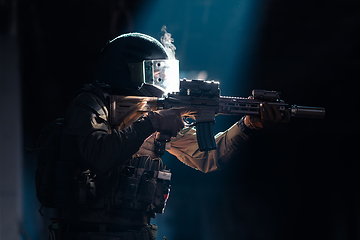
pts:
[142, 184]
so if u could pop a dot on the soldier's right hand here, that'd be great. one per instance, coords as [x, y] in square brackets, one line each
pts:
[168, 121]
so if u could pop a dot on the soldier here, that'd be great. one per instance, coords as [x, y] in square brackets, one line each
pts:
[110, 183]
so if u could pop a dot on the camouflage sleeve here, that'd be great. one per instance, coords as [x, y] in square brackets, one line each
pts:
[186, 149]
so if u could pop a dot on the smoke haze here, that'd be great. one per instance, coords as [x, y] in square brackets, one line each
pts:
[167, 41]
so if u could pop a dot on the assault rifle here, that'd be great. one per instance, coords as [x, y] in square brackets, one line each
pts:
[203, 100]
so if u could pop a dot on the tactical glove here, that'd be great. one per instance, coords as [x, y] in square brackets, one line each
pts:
[269, 116]
[168, 122]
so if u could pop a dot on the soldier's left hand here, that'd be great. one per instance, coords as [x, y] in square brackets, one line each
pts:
[270, 115]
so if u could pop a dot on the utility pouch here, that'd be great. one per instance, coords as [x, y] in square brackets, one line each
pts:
[162, 191]
[132, 185]
[86, 188]
[147, 189]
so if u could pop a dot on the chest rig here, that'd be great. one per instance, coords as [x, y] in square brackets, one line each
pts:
[143, 184]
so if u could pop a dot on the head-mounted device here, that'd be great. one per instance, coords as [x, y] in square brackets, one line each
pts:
[163, 74]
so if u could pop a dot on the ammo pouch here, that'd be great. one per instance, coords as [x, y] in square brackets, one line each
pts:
[143, 184]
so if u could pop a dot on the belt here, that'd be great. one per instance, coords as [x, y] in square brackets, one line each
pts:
[102, 228]
[102, 232]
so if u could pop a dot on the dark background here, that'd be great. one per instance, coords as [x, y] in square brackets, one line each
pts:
[295, 181]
